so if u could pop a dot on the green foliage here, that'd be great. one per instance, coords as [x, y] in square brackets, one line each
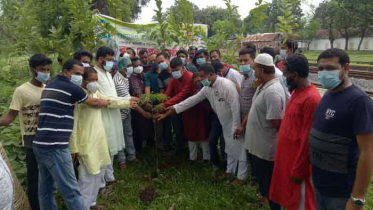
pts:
[255, 21]
[152, 98]
[227, 35]
[287, 23]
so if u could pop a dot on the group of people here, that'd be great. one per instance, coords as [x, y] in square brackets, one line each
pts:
[271, 125]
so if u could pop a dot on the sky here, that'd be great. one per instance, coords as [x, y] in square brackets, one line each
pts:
[244, 7]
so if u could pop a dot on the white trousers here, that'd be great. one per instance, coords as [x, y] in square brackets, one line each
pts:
[193, 148]
[302, 196]
[232, 167]
[108, 173]
[89, 185]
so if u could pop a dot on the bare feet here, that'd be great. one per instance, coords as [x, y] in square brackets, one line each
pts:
[123, 166]
[237, 182]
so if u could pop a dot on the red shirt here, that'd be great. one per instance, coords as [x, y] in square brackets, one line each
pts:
[292, 157]
[196, 117]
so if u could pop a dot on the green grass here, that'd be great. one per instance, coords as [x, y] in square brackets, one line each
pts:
[179, 184]
[355, 56]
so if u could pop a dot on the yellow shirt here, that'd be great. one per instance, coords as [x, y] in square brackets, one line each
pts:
[88, 138]
[26, 100]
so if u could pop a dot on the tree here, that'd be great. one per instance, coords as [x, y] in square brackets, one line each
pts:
[288, 23]
[364, 18]
[326, 14]
[127, 10]
[256, 21]
[307, 32]
[345, 18]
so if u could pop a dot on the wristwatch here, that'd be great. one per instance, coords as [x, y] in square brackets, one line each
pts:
[359, 202]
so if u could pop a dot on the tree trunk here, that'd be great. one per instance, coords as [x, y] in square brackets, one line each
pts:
[362, 35]
[346, 46]
[308, 46]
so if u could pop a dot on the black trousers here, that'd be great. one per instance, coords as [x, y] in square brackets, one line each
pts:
[264, 171]
[32, 179]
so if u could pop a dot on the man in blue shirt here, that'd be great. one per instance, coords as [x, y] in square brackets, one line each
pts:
[341, 138]
[56, 121]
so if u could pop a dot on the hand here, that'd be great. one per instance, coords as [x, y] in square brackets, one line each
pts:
[73, 156]
[351, 206]
[148, 107]
[133, 104]
[239, 131]
[104, 103]
[147, 115]
[160, 117]
[296, 180]
[170, 110]
[135, 99]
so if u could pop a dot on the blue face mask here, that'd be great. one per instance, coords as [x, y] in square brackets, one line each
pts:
[201, 61]
[283, 53]
[177, 74]
[108, 65]
[329, 79]
[42, 77]
[163, 66]
[183, 60]
[76, 79]
[206, 82]
[245, 68]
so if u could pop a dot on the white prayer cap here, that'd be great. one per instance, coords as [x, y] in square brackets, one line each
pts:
[264, 59]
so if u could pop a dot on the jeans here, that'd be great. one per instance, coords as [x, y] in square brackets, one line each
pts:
[128, 140]
[324, 202]
[174, 123]
[55, 165]
[216, 133]
[32, 179]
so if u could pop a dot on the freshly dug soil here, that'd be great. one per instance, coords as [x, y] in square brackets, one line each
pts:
[148, 195]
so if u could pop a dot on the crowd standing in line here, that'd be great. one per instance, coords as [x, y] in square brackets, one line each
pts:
[272, 127]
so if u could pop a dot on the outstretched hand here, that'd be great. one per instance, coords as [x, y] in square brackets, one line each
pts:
[168, 111]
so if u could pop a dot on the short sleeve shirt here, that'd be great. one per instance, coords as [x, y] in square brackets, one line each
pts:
[26, 100]
[56, 117]
[333, 148]
[268, 104]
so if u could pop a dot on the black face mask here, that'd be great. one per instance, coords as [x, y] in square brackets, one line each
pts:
[291, 84]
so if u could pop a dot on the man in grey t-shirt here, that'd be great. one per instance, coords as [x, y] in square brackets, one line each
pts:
[264, 122]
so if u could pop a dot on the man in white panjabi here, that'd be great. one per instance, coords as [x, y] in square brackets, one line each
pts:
[110, 117]
[224, 99]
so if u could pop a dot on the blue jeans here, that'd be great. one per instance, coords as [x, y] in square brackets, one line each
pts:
[324, 202]
[128, 140]
[216, 133]
[55, 165]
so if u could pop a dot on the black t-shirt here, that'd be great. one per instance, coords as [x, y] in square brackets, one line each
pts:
[334, 151]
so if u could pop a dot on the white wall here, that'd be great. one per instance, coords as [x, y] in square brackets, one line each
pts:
[353, 43]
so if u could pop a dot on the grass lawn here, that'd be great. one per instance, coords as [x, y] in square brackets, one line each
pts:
[355, 56]
[179, 185]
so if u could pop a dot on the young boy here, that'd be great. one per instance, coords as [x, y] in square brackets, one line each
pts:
[88, 142]
[26, 104]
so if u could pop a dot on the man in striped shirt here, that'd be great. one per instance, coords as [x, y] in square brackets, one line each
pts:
[56, 121]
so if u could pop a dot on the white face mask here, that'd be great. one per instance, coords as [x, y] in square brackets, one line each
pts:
[92, 87]
[108, 65]
[138, 70]
[85, 65]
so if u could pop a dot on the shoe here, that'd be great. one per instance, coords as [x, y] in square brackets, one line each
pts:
[98, 207]
[123, 166]
[192, 162]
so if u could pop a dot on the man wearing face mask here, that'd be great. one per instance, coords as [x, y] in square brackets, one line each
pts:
[56, 121]
[341, 137]
[165, 76]
[224, 99]
[246, 58]
[123, 90]
[143, 128]
[288, 48]
[111, 117]
[291, 185]
[88, 141]
[263, 123]
[180, 88]
[183, 55]
[84, 57]
[26, 104]
[215, 55]
[200, 58]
